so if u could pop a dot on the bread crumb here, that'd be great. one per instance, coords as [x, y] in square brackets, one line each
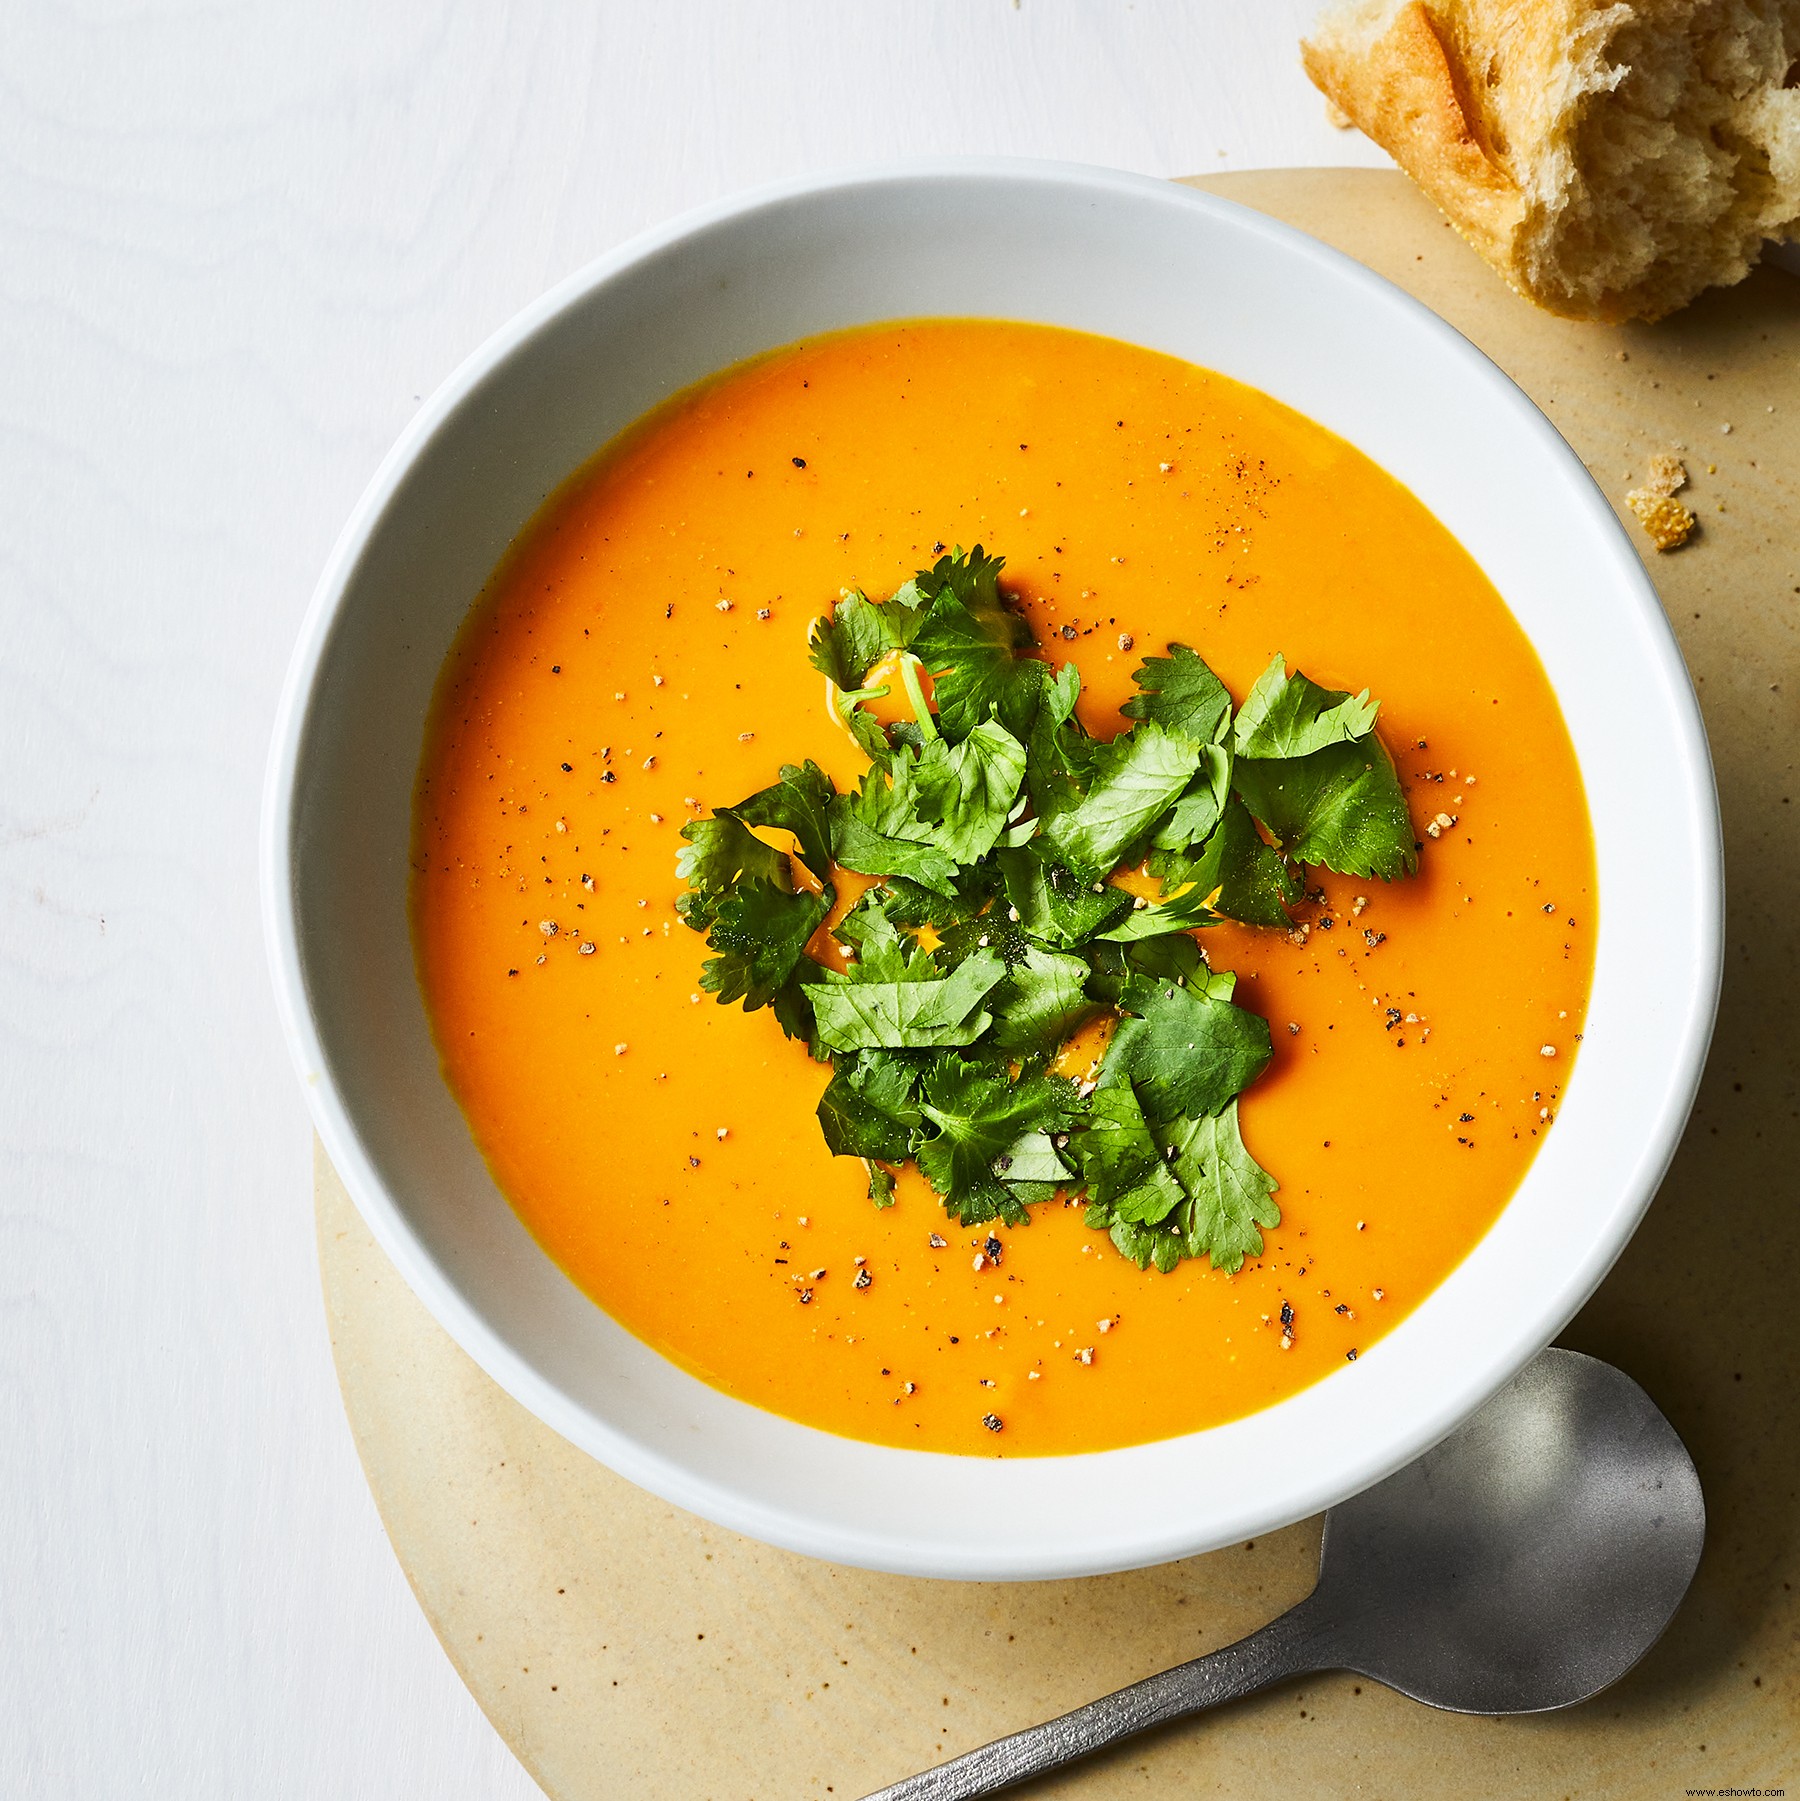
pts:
[1668, 523]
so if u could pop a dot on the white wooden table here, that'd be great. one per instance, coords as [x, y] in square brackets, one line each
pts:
[238, 243]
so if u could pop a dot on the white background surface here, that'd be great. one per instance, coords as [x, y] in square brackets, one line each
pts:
[237, 244]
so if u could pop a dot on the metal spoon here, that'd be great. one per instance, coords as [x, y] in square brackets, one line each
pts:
[1526, 1563]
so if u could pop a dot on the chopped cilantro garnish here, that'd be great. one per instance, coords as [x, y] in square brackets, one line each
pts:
[997, 827]
[1043, 999]
[1185, 1048]
[1288, 716]
[870, 1107]
[1137, 778]
[878, 831]
[913, 1013]
[1248, 878]
[989, 1155]
[1340, 806]
[967, 790]
[1183, 696]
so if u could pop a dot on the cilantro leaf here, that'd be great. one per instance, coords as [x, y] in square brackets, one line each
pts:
[1187, 1050]
[1053, 904]
[760, 931]
[1042, 1000]
[849, 641]
[868, 731]
[878, 831]
[1288, 716]
[857, 1015]
[870, 1107]
[989, 930]
[719, 852]
[1229, 1192]
[1201, 805]
[1114, 1149]
[1060, 754]
[971, 578]
[981, 1115]
[1130, 1189]
[887, 798]
[1033, 1168]
[797, 804]
[792, 1008]
[846, 644]
[971, 641]
[1141, 1226]
[882, 955]
[1249, 877]
[966, 790]
[1341, 807]
[1182, 695]
[1150, 1202]
[909, 903]
[1185, 911]
[869, 852]
[1174, 956]
[1136, 777]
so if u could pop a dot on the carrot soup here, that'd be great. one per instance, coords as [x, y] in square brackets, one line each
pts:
[1024, 954]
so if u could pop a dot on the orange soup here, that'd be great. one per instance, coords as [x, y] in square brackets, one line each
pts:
[639, 658]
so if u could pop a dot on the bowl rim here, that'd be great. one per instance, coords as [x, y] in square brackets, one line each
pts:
[875, 1547]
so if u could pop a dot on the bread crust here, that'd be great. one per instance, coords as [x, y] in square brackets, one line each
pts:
[1404, 93]
[1499, 109]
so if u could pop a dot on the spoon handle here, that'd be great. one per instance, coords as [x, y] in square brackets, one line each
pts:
[1284, 1647]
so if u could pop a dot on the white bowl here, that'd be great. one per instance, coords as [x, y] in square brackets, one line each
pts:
[1103, 252]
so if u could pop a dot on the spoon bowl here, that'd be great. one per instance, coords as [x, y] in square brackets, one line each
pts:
[1524, 1564]
[1530, 1559]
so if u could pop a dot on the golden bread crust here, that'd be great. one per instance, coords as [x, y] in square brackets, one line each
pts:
[1403, 93]
[1610, 158]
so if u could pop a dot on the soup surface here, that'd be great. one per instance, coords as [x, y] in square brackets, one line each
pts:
[640, 658]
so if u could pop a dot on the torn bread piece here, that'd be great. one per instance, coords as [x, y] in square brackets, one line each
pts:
[1610, 160]
[1669, 523]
